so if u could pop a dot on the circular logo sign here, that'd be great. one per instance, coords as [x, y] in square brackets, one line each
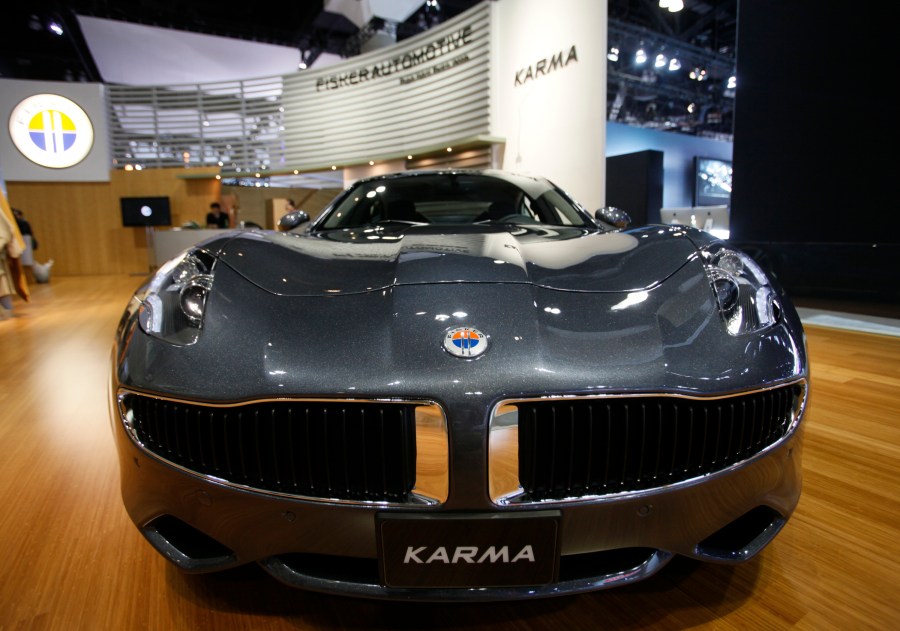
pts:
[465, 342]
[52, 131]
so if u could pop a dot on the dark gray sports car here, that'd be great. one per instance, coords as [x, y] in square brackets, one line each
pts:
[459, 386]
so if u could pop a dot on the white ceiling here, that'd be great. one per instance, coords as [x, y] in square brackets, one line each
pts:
[134, 54]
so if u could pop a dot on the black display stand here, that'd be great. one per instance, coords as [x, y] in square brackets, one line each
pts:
[634, 183]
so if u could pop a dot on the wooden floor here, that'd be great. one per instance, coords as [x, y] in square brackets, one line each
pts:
[70, 558]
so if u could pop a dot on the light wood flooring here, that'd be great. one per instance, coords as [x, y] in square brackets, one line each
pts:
[71, 560]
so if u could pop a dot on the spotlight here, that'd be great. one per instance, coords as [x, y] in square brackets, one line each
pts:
[613, 54]
[732, 83]
[661, 61]
[674, 6]
[698, 74]
[674, 64]
[54, 27]
[640, 56]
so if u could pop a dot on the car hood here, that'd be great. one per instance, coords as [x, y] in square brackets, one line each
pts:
[373, 259]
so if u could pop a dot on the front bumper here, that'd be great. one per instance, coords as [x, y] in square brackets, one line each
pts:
[201, 524]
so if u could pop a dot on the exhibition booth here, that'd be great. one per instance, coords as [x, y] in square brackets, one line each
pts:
[477, 91]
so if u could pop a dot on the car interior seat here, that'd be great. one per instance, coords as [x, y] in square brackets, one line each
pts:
[404, 210]
[496, 211]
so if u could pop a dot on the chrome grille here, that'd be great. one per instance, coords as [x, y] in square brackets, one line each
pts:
[360, 451]
[582, 447]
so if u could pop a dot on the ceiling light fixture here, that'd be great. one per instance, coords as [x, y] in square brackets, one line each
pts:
[674, 6]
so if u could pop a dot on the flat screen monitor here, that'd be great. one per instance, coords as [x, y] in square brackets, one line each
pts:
[712, 182]
[146, 211]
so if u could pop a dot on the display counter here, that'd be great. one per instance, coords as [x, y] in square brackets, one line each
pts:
[168, 244]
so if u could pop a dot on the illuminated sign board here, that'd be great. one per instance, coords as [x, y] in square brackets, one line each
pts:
[51, 130]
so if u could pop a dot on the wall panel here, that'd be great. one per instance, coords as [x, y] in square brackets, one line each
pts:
[429, 90]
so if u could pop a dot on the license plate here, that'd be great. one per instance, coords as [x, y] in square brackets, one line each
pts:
[468, 550]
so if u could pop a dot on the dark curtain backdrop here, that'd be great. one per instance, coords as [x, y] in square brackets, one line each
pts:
[815, 171]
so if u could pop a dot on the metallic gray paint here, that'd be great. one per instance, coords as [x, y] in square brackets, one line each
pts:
[570, 311]
[551, 257]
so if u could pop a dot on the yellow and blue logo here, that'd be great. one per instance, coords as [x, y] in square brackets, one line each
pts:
[51, 130]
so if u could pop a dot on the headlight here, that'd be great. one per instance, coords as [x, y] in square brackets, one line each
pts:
[746, 300]
[174, 301]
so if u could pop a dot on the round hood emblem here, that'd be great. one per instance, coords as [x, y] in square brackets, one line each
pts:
[464, 341]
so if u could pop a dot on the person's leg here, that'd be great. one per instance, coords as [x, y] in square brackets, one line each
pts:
[6, 305]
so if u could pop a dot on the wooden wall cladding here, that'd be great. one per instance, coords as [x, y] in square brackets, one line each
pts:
[79, 224]
[477, 158]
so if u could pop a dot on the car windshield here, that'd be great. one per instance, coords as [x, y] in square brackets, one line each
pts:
[452, 198]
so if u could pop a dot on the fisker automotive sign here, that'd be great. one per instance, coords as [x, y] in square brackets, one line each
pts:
[51, 130]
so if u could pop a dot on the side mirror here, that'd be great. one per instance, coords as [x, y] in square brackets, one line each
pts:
[292, 220]
[615, 216]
